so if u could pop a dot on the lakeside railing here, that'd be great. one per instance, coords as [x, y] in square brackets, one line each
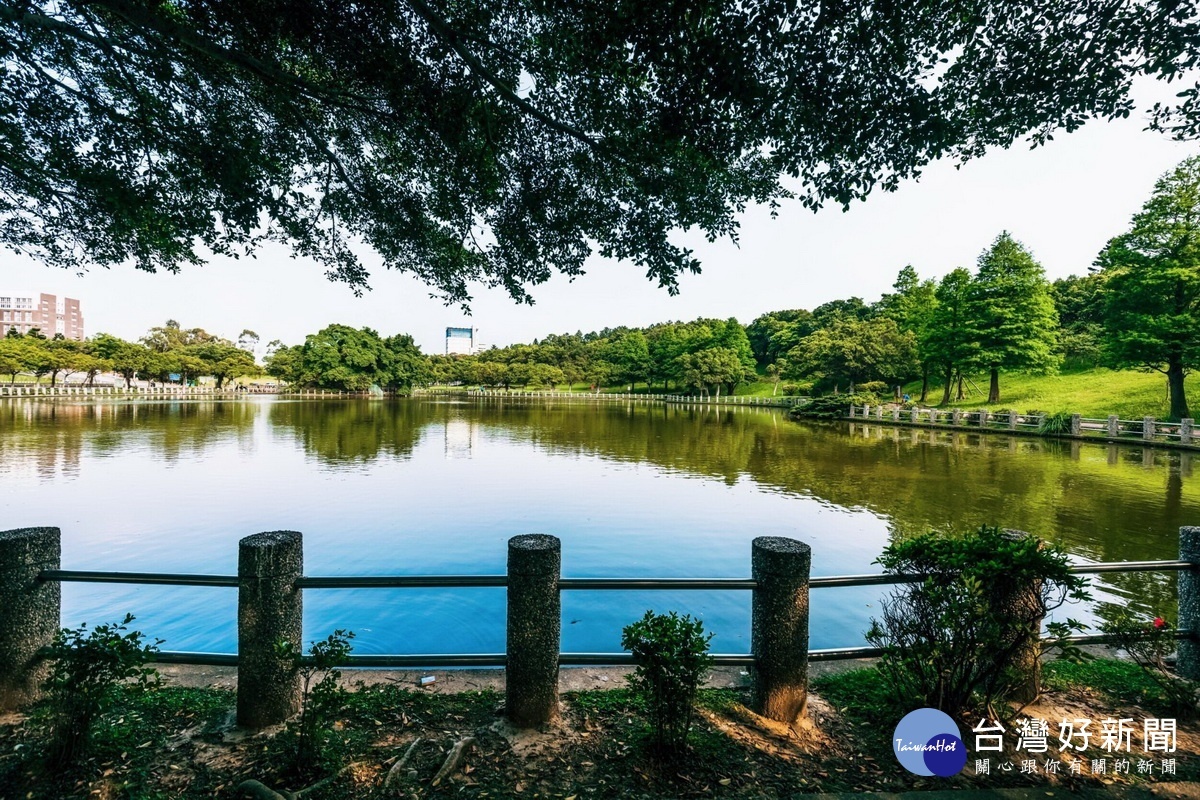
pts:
[271, 583]
[783, 401]
[39, 390]
[1113, 428]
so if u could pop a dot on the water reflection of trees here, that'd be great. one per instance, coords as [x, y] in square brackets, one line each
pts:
[342, 432]
[50, 438]
[1109, 503]
[1101, 503]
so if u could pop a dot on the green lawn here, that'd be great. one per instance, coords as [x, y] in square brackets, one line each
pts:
[1092, 393]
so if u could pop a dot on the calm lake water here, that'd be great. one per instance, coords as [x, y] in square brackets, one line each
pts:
[423, 487]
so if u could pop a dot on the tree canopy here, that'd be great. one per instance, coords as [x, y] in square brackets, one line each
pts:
[500, 142]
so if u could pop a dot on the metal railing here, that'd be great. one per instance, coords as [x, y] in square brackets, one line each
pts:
[564, 584]
[1147, 430]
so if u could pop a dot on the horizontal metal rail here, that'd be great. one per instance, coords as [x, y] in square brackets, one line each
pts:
[1131, 566]
[445, 660]
[156, 578]
[634, 584]
[402, 581]
[568, 584]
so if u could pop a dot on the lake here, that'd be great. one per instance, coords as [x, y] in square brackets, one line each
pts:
[633, 489]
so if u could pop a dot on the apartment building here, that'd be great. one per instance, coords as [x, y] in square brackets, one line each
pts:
[52, 315]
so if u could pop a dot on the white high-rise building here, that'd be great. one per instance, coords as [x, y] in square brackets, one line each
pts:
[462, 341]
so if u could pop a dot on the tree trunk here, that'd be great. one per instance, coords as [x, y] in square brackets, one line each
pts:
[53, 378]
[994, 389]
[949, 383]
[960, 395]
[1179, 403]
[924, 384]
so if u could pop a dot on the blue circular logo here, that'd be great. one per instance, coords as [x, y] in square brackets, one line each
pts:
[927, 742]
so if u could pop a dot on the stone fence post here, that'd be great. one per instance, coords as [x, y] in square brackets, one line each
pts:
[269, 612]
[779, 633]
[534, 627]
[1076, 424]
[956, 417]
[29, 611]
[1188, 662]
[1012, 420]
[1114, 426]
[1148, 428]
[1186, 427]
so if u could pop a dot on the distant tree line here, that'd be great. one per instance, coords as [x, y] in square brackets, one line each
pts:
[705, 355]
[164, 351]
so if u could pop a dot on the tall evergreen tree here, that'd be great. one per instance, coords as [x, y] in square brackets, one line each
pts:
[949, 341]
[1012, 312]
[1152, 319]
[912, 306]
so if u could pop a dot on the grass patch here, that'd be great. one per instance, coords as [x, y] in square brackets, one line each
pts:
[1116, 681]
[1093, 393]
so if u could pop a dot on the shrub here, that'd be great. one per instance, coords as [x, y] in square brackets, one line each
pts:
[86, 669]
[833, 406]
[1148, 642]
[957, 635]
[312, 742]
[873, 387]
[1057, 424]
[671, 653]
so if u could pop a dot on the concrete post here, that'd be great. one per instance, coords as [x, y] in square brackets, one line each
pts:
[879, 412]
[1027, 660]
[1012, 420]
[984, 416]
[269, 612]
[534, 623]
[956, 417]
[1114, 426]
[1185, 431]
[779, 632]
[29, 611]
[896, 414]
[1188, 661]
[852, 411]
[1076, 424]
[1148, 428]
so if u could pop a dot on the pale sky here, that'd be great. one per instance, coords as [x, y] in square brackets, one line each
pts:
[1064, 201]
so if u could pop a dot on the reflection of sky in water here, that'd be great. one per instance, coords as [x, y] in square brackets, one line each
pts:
[177, 497]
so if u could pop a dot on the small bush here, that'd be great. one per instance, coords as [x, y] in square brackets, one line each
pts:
[954, 637]
[672, 659]
[1148, 642]
[86, 669]
[833, 406]
[1058, 424]
[312, 743]
[873, 387]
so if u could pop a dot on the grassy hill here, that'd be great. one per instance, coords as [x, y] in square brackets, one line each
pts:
[1092, 393]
